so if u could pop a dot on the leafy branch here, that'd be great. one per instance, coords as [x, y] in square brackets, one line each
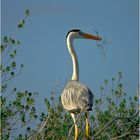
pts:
[112, 121]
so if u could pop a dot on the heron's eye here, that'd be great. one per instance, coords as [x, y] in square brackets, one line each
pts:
[80, 33]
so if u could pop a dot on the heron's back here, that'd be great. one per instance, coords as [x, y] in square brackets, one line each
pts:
[76, 96]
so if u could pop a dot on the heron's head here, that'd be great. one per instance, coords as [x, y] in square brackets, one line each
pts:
[76, 33]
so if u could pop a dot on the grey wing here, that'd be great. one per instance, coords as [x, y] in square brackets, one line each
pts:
[77, 96]
[86, 99]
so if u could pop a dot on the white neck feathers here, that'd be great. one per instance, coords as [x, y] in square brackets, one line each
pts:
[75, 75]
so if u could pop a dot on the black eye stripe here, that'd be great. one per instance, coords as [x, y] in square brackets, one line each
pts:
[73, 30]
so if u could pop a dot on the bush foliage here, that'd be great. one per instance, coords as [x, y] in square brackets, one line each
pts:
[17, 107]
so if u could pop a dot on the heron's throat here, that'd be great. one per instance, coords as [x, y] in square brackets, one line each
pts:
[75, 75]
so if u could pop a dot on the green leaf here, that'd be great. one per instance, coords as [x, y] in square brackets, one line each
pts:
[47, 103]
[136, 98]
[18, 42]
[7, 68]
[27, 13]
[23, 118]
[13, 64]
[12, 73]
[120, 75]
[22, 65]
[15, 89]
[15, 52]
[21, 24]
[30, 94]
[101, 89]
[106, 81]
[5, 39]
[28, 128]
[2, 47]
[12, 55]
[30, 101]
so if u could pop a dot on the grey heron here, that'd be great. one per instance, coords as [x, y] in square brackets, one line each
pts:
[77, 96]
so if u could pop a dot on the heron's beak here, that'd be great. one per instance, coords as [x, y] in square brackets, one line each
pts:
[89, 36]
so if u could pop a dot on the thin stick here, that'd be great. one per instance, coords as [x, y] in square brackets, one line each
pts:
[32, 137]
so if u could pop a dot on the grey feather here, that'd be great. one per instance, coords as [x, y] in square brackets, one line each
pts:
[77, 96]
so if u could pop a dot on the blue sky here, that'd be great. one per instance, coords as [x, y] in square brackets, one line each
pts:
[44, 52]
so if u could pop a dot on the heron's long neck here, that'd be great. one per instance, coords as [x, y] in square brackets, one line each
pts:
[75, 75]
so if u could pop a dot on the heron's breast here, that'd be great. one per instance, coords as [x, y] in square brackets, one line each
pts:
[69, 99]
